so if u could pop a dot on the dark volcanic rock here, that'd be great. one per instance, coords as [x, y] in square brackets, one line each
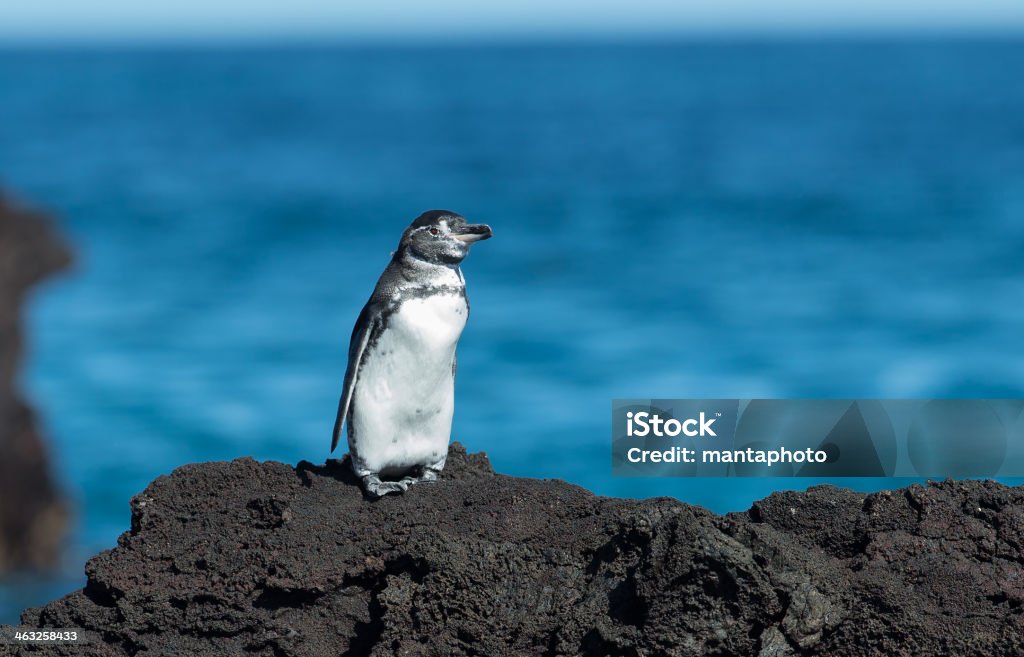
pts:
[265, 559]
[32, 515]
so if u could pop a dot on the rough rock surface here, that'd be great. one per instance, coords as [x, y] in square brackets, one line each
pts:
[32, 514]
[248, 558]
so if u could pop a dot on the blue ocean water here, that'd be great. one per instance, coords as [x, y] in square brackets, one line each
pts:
[709, 219]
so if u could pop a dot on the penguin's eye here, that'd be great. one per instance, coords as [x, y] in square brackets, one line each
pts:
[435, 232]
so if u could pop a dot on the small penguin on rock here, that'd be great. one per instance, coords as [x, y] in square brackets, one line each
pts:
[399, 391]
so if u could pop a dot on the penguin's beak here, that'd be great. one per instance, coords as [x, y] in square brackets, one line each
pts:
[472, 233]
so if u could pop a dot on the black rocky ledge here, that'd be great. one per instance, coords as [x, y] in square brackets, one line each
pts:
[248, 558]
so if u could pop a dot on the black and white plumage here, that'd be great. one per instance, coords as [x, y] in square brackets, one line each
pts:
[399, 392]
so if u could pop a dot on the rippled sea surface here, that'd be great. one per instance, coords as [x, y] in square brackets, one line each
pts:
[720, 219]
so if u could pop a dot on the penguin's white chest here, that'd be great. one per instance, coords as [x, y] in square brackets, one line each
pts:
[431, 324]
[405, 391]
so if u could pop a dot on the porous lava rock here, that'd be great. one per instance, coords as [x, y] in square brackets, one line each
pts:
[266, 559]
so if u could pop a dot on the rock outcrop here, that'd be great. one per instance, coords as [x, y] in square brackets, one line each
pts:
[32, 513]
[249, 558]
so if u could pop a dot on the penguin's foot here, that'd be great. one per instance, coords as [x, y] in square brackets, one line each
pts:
[373, 485]
[429, 476]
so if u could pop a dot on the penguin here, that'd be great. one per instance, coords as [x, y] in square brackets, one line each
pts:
[398, 397]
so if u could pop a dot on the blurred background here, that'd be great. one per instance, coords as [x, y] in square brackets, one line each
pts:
[704, 199]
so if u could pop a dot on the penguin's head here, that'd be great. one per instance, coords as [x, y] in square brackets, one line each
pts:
[441, 237]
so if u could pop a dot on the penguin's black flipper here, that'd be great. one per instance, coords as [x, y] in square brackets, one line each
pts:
[361, 333]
